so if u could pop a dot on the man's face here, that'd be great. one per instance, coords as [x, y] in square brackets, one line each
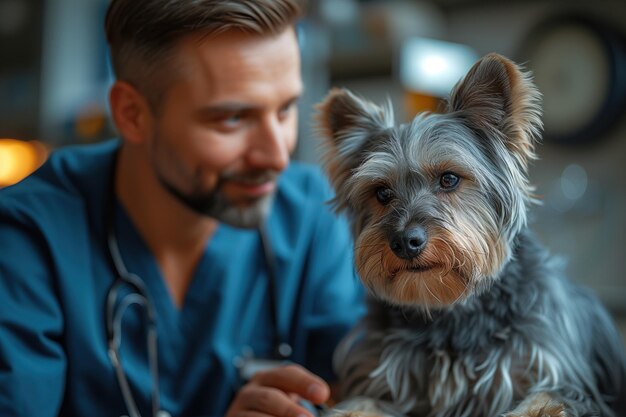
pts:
[227, 124]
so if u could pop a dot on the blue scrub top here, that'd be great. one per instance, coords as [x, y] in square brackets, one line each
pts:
[55, 273]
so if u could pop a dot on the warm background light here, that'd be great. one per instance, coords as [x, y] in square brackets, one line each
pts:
[18, 159]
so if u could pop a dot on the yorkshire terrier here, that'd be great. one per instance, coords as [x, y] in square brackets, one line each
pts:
[468, 314]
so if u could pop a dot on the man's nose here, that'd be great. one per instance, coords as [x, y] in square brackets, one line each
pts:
[269, 147]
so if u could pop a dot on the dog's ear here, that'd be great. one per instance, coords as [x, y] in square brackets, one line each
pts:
[346, 124]
[499, 99]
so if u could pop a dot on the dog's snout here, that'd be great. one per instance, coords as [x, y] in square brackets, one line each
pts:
[408, 243]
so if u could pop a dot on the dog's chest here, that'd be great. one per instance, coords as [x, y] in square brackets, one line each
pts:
[452, 362]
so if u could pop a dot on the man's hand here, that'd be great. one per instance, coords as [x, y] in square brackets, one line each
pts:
[276, 393]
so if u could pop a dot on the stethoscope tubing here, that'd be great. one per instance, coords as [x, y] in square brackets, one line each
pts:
[115, 310]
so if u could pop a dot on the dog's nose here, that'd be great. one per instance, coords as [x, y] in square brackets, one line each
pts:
[408, 243]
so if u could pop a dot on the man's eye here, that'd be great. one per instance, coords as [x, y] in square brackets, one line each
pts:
[232, 120]
[284, 111]
[384, 195]
[449, 181]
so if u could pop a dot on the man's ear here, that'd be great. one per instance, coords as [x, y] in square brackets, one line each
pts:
[346, 123]
[499, 99]
[131, 112]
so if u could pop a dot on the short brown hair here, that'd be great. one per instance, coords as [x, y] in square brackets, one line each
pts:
[141, 33]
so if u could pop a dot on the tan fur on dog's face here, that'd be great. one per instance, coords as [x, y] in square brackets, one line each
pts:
[485, 140]
[448, 276]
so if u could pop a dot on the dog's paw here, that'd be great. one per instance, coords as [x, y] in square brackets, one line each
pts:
[540, 406]
[549, 411]
[346, 413]
[363, 407]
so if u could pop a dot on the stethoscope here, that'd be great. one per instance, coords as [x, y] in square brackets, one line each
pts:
[116, 306]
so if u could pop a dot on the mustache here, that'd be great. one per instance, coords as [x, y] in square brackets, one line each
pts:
[249, 177]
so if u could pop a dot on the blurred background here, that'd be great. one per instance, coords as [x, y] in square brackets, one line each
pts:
[54, 77]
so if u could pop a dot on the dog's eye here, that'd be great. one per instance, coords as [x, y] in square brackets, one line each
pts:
[449, 181]
[384, 195]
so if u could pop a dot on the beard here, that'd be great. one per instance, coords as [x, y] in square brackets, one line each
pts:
[248, 213]
[244, 213]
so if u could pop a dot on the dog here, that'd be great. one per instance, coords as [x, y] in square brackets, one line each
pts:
[468, 315]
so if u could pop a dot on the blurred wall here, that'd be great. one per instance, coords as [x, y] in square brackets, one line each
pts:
[53, 70]
[21, 26]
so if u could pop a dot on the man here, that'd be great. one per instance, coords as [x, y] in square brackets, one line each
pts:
[205, 103]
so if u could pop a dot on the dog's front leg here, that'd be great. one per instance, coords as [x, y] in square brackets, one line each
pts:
[539, 405]
[363, 407]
